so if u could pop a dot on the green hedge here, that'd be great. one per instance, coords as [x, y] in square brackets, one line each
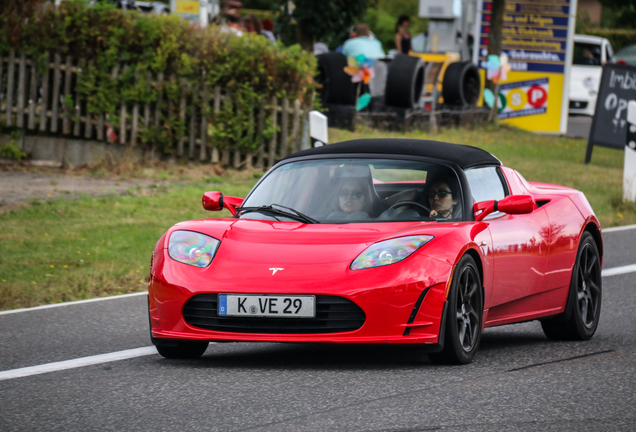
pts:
[250, 67]
[619, 38]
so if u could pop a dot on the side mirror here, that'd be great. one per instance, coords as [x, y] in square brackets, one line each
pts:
[512, 204]
[215, 201]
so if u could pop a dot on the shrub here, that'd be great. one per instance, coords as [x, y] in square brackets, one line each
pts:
[11, 151]
[250, 67]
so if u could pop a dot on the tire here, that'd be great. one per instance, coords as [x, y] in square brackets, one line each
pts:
[404, 81]
[337, 87]
[465, 314]
[581, 316]
[175, 349]
[461, 84]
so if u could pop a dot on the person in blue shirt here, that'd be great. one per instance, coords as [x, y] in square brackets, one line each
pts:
[363, 44]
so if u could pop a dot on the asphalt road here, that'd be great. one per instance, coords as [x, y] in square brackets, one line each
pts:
[519, 381]
[579, 126]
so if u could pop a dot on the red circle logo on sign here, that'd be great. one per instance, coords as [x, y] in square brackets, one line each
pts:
[537, 96]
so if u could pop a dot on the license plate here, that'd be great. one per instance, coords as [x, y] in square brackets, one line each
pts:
[279, 306]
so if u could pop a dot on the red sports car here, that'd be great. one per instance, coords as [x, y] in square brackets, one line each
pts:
[380, 241]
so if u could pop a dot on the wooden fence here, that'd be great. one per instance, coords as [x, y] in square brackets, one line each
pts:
[35, 101]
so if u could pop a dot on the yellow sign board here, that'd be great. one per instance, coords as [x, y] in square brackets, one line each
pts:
[188, 9]
[537, 38]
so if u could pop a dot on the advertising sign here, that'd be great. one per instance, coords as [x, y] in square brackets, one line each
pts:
[188, 9]
[537, 37]
[609, 125]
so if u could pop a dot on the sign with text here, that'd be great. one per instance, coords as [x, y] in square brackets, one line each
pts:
[188, 9]
[609, 125]
[537, 37]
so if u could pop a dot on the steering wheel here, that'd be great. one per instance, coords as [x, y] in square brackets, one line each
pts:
[412, 204]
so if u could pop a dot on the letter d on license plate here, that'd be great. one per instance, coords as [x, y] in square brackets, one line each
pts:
[279, 306]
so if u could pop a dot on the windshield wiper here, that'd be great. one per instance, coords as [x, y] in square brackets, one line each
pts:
[280, 210]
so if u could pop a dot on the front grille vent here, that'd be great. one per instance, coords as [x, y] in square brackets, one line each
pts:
[333, 315]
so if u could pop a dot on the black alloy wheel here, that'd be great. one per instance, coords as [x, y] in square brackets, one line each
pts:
[464, 315]
[580, 320]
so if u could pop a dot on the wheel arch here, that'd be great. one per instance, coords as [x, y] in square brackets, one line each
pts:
[480, 267]
[596, 235]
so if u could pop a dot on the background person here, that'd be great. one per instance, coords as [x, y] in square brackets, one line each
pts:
[403, 35]
[363, 44]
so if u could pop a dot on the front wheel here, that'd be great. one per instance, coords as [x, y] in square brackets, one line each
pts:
[580, 320]
[464, 315]
[175, 349]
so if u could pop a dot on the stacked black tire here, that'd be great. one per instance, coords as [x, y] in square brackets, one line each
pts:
[404, 81]
[337, 87]
[461, 85]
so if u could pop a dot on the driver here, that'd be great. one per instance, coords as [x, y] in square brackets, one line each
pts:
[442, 197]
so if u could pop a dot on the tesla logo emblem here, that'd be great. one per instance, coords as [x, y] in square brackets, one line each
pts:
[274, 270]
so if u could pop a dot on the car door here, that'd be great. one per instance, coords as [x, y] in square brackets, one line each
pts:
[519, 247]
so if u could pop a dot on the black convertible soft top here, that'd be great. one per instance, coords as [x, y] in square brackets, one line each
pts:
[463, 155]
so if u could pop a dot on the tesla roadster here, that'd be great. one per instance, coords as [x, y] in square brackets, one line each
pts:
[380, 241]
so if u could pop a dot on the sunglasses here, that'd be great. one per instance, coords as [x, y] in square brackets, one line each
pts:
[440, 193]
[345, 193]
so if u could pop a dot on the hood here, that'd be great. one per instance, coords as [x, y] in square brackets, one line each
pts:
[267, 242]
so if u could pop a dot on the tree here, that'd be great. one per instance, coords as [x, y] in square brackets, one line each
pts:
[323, 20]
[623, 11]
[494, 46]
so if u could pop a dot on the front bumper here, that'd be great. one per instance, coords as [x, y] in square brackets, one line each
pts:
[389, 307]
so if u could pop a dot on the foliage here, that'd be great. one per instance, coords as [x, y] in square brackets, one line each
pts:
[619, 38]
[382, 16]
[324, 21]
[138, 47]
[621, 13]
[11, 151]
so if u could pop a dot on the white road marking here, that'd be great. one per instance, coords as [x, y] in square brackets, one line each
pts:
[75, 363]
[618, 270]
[619, 228]
[12, 311]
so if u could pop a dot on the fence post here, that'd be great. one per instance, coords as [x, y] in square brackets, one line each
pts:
[259, 134]
[193, 121]
[44, 107]
[21, 90]
[33, 91]
[272, 144]
[10, 78]
[55, 103]
[217, 108]
[204, 122]
[284, 129]
[182, 116]
[66, 121]
[135, 119]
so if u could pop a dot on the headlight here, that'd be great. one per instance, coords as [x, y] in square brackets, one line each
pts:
[389, 251]
[590, 83]
[192, 248]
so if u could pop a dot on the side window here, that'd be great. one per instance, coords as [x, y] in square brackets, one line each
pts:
[485, 184]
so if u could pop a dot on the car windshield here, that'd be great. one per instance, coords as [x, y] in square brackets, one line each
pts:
[356, 190]
[586, 54]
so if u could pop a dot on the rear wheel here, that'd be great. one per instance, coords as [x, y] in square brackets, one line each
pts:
[580, 320]
[464, 315]
[173, 349]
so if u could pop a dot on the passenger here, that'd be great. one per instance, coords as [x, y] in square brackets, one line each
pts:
[354, 197]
